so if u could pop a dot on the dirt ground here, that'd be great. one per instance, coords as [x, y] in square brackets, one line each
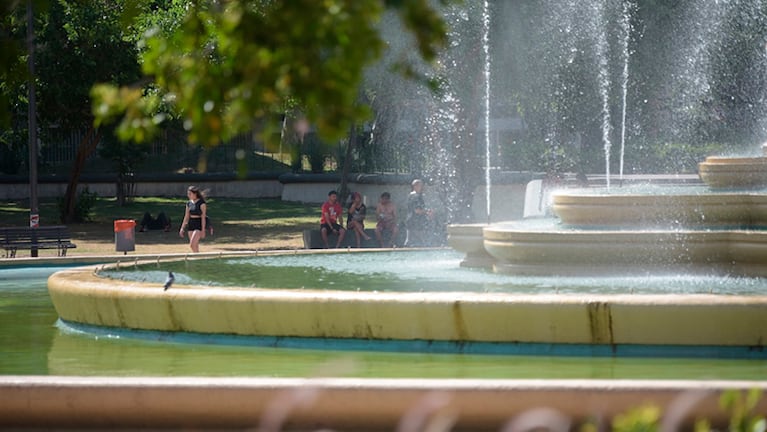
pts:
[99, 239]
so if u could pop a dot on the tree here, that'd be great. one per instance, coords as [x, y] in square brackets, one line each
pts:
[13, 84]
[79, 45]
[436, 135]
[219, 66]
[230, 63]
[13, 72]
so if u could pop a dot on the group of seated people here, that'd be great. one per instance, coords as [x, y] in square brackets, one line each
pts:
[162, 222]
[419, 220]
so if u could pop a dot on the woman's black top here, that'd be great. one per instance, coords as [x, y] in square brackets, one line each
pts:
[195, 209]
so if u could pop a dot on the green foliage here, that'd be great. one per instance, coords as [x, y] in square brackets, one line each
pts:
[741, 409]
[126, 156]
[86, 200]
[642, 419]
[12, 153]
[220, 68]
[83, 40]
[14, 66]
[13, 73]
[228, 64]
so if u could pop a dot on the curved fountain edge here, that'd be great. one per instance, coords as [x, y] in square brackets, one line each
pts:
[584, 209]
[508, 247]
[80, 296]
[43, 401]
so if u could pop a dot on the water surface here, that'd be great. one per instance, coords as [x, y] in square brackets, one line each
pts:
[419, 271]
[32, 344]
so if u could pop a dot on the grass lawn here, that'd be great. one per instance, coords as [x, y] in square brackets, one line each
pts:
[239, 224]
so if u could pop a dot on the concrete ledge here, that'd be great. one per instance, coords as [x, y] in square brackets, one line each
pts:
[313, 239]
[468, 239]
[350, 404]
[524, 251]
[81, 296]
[588, 209]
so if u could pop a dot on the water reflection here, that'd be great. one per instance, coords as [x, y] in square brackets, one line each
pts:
[31, 344]
[73, 354]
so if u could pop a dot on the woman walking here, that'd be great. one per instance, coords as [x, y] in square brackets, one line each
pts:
[195, 218]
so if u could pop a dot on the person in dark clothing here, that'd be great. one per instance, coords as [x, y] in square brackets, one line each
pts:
[195, 218]
[419, 217]
[386, 216]
[149, 223]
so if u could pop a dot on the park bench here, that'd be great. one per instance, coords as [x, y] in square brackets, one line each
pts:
[313, 239]
[45, 237]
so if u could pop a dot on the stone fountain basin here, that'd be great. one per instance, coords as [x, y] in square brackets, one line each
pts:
[733, 172]
[467, 238]
[714, 210]
[519, 249]
[689, 320]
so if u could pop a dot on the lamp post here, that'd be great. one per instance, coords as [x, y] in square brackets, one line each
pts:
[34, 216]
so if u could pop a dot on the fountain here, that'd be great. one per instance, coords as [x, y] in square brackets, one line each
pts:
[685, 232]
[600, 233]
[100, 378]
[687, 229]
[733, 172]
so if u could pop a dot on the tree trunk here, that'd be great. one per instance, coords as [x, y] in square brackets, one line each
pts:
[120, 189]
[84, 150]
[344, 192]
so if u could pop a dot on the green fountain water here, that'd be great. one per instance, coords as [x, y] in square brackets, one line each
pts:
[32, 344]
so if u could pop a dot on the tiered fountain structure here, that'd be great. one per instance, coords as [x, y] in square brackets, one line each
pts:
[718, 230]
[600, 231]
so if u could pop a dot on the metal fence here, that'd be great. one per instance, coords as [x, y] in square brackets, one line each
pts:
[168, 153]
[171, 153]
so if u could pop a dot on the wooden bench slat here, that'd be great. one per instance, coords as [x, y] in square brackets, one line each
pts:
[45, 237]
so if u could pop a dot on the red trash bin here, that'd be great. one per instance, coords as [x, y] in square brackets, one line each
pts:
[125, 238]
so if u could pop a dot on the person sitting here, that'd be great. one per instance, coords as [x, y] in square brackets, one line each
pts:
[148, 222]
[419, 218]
[386, 216]
[356, 217]
[332, 212]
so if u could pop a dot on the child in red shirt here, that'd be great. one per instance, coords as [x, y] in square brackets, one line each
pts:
[329, 221]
